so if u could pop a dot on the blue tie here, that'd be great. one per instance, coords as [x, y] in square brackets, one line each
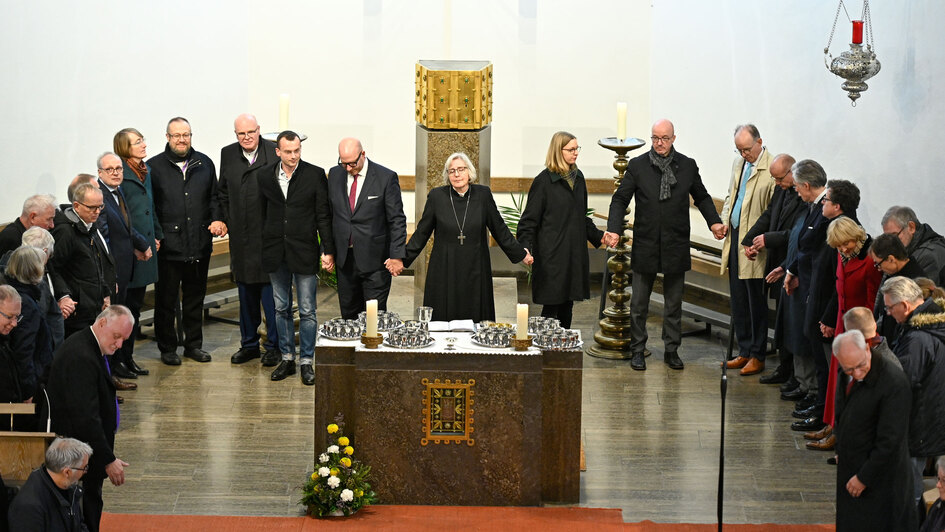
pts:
[737, 209]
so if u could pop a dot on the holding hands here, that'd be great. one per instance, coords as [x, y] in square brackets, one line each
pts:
[394, 266]
[529, 259]
[218, 228]
[610, 239]
[774, 275]
[719, 231]
[790, 283]
[328, 263]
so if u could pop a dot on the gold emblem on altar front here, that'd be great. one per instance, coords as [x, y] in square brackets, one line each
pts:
[447, 411]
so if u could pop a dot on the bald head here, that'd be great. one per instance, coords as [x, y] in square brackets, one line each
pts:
[780, 170]
[663, 136]
[247, 131]
[860, 319]
[350, 154]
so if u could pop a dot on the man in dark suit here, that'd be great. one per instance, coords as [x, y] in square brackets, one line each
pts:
[238, 193]
[661, 183]
[38, 210]
[296, 214]
[771, 232]
[125, 244]
[82, 401]
[369, 226]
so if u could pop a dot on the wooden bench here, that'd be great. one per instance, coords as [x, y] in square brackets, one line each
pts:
[21, 452]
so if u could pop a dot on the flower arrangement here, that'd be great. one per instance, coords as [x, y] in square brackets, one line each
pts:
[338, 485]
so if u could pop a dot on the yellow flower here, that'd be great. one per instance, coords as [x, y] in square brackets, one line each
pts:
[334, 472]
[345, 461]
[314, 476]
[343, 440]
[349, 450]
[332, 428]
[358, 493]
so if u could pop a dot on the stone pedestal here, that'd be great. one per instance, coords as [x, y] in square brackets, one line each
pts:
[433, 147]
[457, 428]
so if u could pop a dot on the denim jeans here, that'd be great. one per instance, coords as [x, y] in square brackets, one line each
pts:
[305, 287]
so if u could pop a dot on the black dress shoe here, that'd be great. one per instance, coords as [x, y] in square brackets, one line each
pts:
[789, 385]
[808, 401]
[638, 361]
[245, 354]
[271, 358]
[170, 358]
[119, 369]
[809, 424]
[308, 374]
[780, 376]
[285, 368]
[794, 395]
[672, 360]
[197, 354]
[138, 369]
[120, 399]
[809, 412]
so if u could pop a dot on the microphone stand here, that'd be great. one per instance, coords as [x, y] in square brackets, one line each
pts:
[723, 389]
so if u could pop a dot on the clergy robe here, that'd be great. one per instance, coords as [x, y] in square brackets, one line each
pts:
[459, 277]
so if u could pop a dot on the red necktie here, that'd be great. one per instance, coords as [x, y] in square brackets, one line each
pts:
[850, 386]
[352, 195]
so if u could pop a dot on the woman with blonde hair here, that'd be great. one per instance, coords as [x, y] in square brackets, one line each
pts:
[555, 228]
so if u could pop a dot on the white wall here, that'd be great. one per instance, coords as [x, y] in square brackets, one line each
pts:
[76, 73]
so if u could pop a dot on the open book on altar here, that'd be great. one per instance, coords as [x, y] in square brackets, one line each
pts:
[454, 325]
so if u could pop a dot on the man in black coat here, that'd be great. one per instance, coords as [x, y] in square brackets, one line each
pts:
[185, 199]
[82, 401]
[38, 210]
[125, 244]
[661, 183]
[51, 498]
[772, 232]
[11, 369]
[238, 192]
[921, 241]
[873, 472]
[83, 270]
[370, 228]
[296, 218]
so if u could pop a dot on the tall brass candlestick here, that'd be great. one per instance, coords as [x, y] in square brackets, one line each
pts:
[613, 339]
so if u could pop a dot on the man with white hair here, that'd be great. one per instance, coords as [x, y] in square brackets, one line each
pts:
[50, 499]
[38, 211]
[42, 239]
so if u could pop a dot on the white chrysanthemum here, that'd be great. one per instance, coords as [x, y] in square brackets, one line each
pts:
[347, 495]
[334, 482]
[322, 458]
[323, 471]
[333, 449]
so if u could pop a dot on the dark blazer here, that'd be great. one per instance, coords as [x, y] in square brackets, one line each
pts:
[186, 204]
[238, 194]
[82, 398]
[139, 200]
[12, 236]
[121, 238]
[30, 343]
[816, 267]
[82, 269]
[378, 227]
[40, 505]
[296, 230]
[660, 228]
[775, 224]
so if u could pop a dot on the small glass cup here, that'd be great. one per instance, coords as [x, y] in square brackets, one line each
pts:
[425, 314]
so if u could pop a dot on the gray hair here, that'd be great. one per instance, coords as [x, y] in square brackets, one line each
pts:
[459, 155]
[810, 172]
[98, 162]
[38, 203]
[940, 463]
[901, 216]
[901, 289]
[755, 135]
[82, 191]
[7, 292]
[113, 311]
[27, 265]
[66, 452]
[39, 238]
[853, 336]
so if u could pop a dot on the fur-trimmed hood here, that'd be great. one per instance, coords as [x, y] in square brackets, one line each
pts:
[929, 315]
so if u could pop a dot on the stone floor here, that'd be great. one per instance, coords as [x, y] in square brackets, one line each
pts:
[221, 439]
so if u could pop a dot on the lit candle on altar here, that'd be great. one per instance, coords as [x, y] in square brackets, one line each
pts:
[370, 320]
[521, 322]
[621, 120]
[283, 112]
[857, 32]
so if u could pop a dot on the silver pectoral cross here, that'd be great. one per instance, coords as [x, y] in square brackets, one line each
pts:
[461, 238]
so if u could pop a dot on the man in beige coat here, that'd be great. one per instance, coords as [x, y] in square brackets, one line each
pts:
[748, 196]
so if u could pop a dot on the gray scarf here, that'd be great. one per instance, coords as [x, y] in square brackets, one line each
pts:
[668, 179]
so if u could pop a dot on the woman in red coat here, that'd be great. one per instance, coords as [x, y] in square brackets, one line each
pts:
[857, 283]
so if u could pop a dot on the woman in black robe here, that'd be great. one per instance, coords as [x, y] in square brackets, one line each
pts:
[555, 227]
[459, 277]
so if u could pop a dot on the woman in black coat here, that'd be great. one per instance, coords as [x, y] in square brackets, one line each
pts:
[555, 227]
[459, 282]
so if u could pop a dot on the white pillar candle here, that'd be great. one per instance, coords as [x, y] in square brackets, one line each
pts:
[621, 120]
[521, 322]
[371, 318]
[283, 112]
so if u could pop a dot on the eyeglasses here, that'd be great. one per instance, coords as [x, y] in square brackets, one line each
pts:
[244, 134]
[779, 179]
[941, 479]
[890, 307]
[458, 170]
[178, 136]
[572, 151]
[113, 171]
[82, 469]
[138, 142]
[92, 207]
[16, 318]
[861, 365]
[663, 140]
[878, 264]
[352, 164]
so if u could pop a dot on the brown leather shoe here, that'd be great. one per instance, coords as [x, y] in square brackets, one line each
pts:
[122, 385]
[820, 434]
[753, 367]
[825, 444]
[737, 362]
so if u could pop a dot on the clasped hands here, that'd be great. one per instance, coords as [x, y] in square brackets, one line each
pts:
[394, 266]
